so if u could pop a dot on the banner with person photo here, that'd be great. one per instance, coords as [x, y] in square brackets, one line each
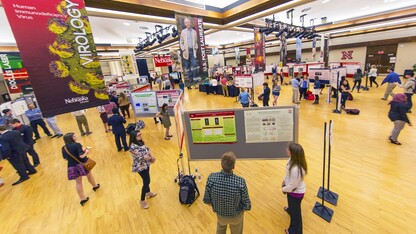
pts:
[192, 47]
[237, 56]
[259, 51]
[15, 74]
[60, 58]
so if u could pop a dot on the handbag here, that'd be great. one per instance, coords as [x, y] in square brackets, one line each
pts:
[88, 165]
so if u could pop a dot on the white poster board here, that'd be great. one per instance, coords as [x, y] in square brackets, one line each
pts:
[178, 111]
[351, 67]
[243, 81]
[258, 79]
[144, 102]
[19, 107]
[334, 75]
[269, 125]
[322, 73]
[169, 97]
[334, 64]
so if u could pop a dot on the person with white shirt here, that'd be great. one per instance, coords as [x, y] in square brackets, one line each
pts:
[82, 120]
[373, 75]
[214, 83]
[294, 186]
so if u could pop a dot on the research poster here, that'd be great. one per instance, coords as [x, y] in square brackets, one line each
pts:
[243, 81]
[213, 127]
[263, 126]
[167, 96]
[144, 102]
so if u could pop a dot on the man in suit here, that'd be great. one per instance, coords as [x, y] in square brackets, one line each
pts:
[117, 123]
[17, 156]
[189, 47]
[27, 135]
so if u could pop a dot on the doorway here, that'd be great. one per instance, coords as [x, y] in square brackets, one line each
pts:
[383, 56]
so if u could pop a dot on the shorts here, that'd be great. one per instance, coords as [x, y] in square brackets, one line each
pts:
[276, 93]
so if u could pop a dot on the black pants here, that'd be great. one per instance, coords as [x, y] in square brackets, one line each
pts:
[124, 110]
[265, 102]
[373, 80]
[155, 119]
[34, 124]
[316, 98]
[295, 213]
[344, 98]
[21, 164]
[409, 100]
[146, 182]
[122, 137]
[355, 84]
[31, 151]
[303, 93]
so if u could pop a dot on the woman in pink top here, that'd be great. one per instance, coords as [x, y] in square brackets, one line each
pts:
[224, 86]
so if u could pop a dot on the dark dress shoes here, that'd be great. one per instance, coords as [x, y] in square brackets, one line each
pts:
[20, 181]
[33, 172]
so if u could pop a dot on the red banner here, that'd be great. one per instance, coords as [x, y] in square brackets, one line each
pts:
[162, 61]
[60, 57]
[259, 51]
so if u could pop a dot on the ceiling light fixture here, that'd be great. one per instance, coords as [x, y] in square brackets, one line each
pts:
[325, 1]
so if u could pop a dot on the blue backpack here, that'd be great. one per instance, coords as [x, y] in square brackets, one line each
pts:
[188, 190]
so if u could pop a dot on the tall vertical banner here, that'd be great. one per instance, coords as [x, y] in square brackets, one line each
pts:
[248, 56]
[60, 58]
[322, 49]
[298, 49]
[237, 56]
[15, 73]
[128, 63]
[192, 46]
[283, 49]
[314, 49]
[259, 51]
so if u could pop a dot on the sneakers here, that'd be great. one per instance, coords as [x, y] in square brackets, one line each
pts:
[144, 204]
[151, 194]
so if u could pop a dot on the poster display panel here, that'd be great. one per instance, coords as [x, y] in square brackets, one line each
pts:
[243, 81]
[334, 75]
[60, 55]
[258, 79]
[14, 72]
[323, 74]
[263, 126]
[169, 97]
[351, 67]
[144, 102]
[192, 47]
[19, 107]
[213, 127]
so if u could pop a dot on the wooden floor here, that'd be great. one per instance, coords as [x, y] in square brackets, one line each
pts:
[374, 179]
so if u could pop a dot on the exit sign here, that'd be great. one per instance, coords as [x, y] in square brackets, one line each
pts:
[380, 52]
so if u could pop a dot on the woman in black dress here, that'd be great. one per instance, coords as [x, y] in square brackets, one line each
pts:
[73, 152]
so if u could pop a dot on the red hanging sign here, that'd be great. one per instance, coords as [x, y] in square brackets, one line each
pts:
[162, 61]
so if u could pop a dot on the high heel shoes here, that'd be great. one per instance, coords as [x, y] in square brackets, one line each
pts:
[84, 201]
[96, 187]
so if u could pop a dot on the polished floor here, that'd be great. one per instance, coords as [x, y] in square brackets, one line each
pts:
[374, 178]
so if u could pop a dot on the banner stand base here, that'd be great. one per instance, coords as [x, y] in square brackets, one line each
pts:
[336, 111]
[323, 212]
[329, 196]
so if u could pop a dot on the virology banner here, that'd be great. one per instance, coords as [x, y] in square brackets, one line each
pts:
[15, 73]
[237, 56]
[55, 41]
[192, 47]
[259, 51]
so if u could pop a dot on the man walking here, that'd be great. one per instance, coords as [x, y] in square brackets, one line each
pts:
[27, 136]
[391, 80]
[244, 98]
[266, 94]
[117, 123]
[82, 120]
[228, 195]
[35, 117]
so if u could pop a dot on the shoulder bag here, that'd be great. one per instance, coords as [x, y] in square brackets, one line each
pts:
[88, 165]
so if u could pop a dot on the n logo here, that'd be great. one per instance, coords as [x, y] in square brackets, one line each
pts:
[347, 54]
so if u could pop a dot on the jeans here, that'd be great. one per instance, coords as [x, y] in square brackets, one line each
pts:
[295, 213]
[303, 93]
[344, 98]
[145, 174]
[122, 137]
[34, 124]
[53, 125]
[191, 65]
[265, 102]
[373, 80]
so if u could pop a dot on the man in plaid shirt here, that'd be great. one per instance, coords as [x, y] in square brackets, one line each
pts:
[228, 195]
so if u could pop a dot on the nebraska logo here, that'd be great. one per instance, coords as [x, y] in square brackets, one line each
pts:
[347, 54]
[81, 99]
[162, 61]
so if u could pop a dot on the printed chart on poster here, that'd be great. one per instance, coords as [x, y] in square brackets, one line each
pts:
[243, 81]
[213, 127]
[167, 96]
[269, 125]
[144, 102]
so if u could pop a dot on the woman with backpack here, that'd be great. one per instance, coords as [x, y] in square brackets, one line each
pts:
[142, 158]
[397, 114]
[358, 76]
[294, 186]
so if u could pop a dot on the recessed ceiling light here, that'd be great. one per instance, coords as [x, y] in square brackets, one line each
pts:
[325, 1]
[127, 24]
[143, 28]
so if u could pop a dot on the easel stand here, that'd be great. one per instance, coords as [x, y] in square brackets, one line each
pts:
[181, 173]
[320, 209]
[338, 102]
[366, 83]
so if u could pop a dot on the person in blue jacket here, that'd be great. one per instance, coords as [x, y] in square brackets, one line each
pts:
[244, 98]
[391, 79]
[117, 123]
[316, 89]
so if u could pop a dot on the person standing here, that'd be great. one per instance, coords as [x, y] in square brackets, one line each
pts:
[104, 117]
[51, 121]
[391, 79]
[295, 89]
[227, 193]
[293, 186]
[213, 83]
[373, 75]
[397, 114]
[244, 98]
[266, 94]
[114, 98]
[189, 47]
[276, 91]
[409, 88]
[75, 154]
[27, 136]
[224, 86]
[117, 123]
[164, 115]
[142, 158]
[17, 156]
[166, 84]
[159, 82]
[35, 117]
[304, 85]
[82, 120]
[124, 103]
[358, 76]
[6, 118]
[345, 92]
[316, 89]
